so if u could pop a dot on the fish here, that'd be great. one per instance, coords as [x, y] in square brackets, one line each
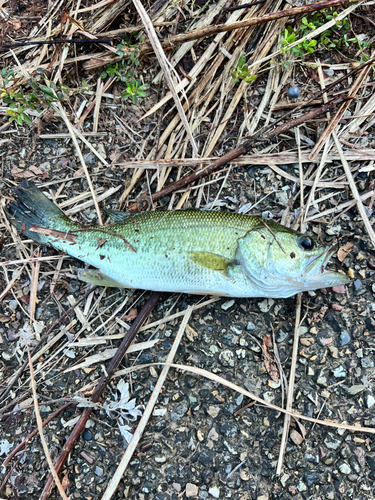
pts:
[187, 251]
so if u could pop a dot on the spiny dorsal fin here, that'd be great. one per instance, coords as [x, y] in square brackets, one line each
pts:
[116, 216]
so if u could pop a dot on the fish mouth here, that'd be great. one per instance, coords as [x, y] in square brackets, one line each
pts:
[316, 269]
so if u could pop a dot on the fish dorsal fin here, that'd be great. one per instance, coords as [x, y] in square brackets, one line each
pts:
[211, 261]
[96, 277]
[116, 216]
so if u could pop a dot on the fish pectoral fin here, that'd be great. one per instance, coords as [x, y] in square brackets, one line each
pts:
[96, 277]
[212, 261]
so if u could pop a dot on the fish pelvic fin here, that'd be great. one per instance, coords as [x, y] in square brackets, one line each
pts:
[96, 277]
[33, 208]
[212, 261]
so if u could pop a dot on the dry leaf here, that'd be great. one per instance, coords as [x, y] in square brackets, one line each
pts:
[268, 361]
[133, 313]
[33, 171]
[296, 437]
[344, 251]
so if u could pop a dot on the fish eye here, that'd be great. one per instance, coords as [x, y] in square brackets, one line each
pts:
[306, 243]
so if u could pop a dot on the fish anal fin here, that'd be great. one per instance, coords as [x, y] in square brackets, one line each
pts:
[212, 261]
[96, 277]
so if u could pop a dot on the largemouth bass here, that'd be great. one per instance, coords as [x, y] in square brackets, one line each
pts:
[192, 251]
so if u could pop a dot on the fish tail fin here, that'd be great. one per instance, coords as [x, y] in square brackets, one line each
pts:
[34, 209]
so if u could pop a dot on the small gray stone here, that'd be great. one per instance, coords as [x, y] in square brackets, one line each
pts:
[332, 442]
[344, 338]
[322, 380]
[226, 358]
[301, 486]
[160, 459]
[98, 471]
[269, 396]
[357, 284]
[179, 412]
[370, 401]
[339, 372]
[214, 491]
[250, 326]
[266, 305]
[367, 363]
[227, 305]
[344, 468]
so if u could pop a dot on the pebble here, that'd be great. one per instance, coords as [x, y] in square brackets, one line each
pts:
[336, 307]
[90, 159]
[332, 442]
[344, 338]
[213, 411]
[227, 305]
[207, 476]
[266, 305]
[226, 358]
[356, 389]
[339, 372]
[160, 459]
[87, 436]
[98, 471]
[269, 396]
[250, 325]
[357, 284]
[367, 363]
[322, 380]
[344, 468]
[179, 412]
[293, 92]
[301, 486]
[284, 479]
[191, 490]
[214, 491]
[334, 351]
[370, 401]
[229, 429]
[51, 142]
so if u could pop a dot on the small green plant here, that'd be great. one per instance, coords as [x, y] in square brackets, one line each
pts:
[242, 72]
[336, 38]
[134, 90]
[37, 98]
[6, 76]
[300, 50]
[125, 70]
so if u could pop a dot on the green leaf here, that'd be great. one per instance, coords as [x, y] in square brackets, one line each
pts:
[46, 90]
[27, 119]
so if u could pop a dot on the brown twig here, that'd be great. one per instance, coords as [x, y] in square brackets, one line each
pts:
[17, 375]
[80, 425]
